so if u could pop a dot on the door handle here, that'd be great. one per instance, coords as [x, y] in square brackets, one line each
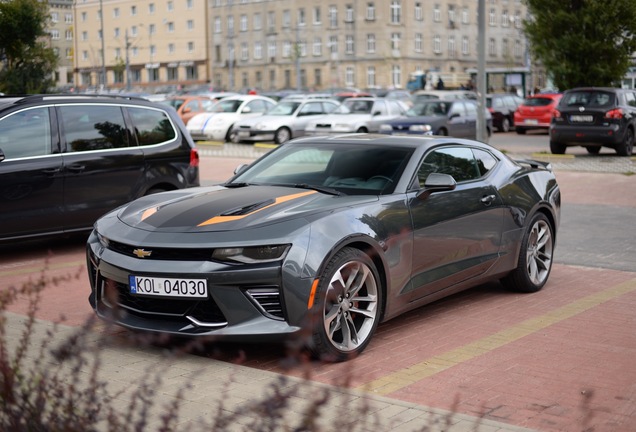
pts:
[76, 168]
[51, 171]
[487, 199]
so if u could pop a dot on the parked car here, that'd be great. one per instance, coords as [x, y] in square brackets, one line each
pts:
[189, 106]
[65, 160]
[323, 238]
[457, 118]
[594, 117]
[535, 112]
[502, 107]
[422, 95]
[363, 114]
[217, 124]
[284, 121]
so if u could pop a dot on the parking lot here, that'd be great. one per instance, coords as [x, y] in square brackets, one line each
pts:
[558, 360]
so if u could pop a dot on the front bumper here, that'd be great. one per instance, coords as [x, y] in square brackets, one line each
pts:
[244, 302]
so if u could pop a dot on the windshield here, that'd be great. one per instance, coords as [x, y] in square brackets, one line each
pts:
[429, 108]
[352, 169]
[284, 108]
[225, 105]
[588, 98]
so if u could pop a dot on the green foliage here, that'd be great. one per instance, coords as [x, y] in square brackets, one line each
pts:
[583, 42]
[27, 62]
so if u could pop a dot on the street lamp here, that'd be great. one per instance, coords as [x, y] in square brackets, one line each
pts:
[102, 80]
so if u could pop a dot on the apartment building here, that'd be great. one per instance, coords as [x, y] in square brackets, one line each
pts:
[60, 29]
[357, 43]
[274, 44]
[141, 43]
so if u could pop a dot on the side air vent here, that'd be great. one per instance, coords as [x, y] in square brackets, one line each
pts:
[268, 301]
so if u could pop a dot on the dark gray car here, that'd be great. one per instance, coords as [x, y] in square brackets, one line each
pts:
[456, 118]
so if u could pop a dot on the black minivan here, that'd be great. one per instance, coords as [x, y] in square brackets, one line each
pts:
[65, 160]
[594, 117]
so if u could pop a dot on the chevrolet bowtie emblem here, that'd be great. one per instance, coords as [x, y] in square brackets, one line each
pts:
[140, 253]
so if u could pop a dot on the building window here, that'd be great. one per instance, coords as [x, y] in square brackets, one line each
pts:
[243, 23]
[396, 12]
[151, 8]
[170, 6]
[418, 42]
[371, 76]
[83, 19]
[190, 25]
[69, 53]
[518, 48]
[171, 48]
[173, 73]
[115, 12]
[451, 47]
[116, 32]
[287, 49]
[55, 34]
[317, 77]
[317, 17]
[349, 76]
[117, 53]
[230, 25]
[437, 14]
[333, 16]
[492, 47]
[258, 50]
[271, 50]
[54, 17]
[419, 14]
[349, 13]
[68, 19]
[84, 35]
[189, 4]
[396, 76]
[465, 16]
[171, 27]
[190, 47]
[258, 21]
[395, 41]
[317, 47]
[271, 22]
[370, 14]
[301, 17]
[333, 45]
[244, 51]
[286, 18]
[84, 55]
[191, 73]
[465, 45]
[133, 31]
[134, 51]
[451, 14]
[505, 19]
[349, 44]
[492, 18]
[133, 10]
[437, 44]
[217, 25]
[370, 43]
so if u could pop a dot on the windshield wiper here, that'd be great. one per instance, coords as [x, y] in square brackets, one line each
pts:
[326, 190]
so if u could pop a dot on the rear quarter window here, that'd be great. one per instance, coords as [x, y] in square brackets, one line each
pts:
[151, 126]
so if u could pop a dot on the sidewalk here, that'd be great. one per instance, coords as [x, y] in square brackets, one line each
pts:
[241, 392]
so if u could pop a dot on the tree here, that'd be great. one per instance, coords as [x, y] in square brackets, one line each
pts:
[583, 42]
[26, 62]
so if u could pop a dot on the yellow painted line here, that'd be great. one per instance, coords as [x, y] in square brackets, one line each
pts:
[439, 363]
[556, 156]
[43, 266]
[212, 143]
[263, 145]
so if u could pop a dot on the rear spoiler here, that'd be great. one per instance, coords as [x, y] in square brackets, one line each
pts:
[535, 164]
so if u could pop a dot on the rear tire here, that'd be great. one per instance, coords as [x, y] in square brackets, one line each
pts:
[535, 257]
[557, 148]
[505, 125]
[282, 135]
[347, 307]
[627, 146]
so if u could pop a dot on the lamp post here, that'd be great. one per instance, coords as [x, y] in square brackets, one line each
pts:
[102, 80]
[127, 47]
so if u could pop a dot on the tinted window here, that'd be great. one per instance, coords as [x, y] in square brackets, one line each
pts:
[312, 108]
[93, 127]
[485, 161]
[588, 98]
[151, 126]
[26, 133]
[537, 101]
[630, 98]
[458, 162]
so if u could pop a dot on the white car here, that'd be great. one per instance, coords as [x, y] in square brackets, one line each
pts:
[359, 114]
[216, 125]
[287, 120]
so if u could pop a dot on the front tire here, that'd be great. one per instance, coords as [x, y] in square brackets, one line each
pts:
[348, 306]
[535, 257]
[282, 135]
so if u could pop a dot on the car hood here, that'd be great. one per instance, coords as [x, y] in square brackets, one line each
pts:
[219, 208]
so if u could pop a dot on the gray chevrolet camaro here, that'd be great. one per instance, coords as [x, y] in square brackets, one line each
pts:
[323, 238]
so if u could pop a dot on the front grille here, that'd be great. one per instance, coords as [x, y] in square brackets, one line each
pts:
[204, 311]
[180, 254]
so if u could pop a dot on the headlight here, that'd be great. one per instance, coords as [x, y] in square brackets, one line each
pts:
[103, 240]
[386, 127]
[251, 255]
[420, 128]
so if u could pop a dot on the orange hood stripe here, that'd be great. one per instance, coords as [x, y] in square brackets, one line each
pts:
[279, 200]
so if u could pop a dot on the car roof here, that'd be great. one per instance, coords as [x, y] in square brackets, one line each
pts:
[30, 100]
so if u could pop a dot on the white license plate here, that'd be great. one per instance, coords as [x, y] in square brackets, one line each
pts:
[243, 134]
[168, 287]
[530, 121]
[582, 118]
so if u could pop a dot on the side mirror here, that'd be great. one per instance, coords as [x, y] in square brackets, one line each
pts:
[246, 110]
[239, 169]
[437, 182]
[1, 155]
[377, 113]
